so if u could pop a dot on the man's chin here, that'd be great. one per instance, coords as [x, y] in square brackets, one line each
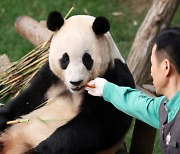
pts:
[158, 92]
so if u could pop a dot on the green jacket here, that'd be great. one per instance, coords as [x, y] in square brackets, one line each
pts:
[139, 105]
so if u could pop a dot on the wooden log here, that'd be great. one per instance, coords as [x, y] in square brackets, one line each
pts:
[142, 144]
[146, 90]
[33, 31]
[4, 63]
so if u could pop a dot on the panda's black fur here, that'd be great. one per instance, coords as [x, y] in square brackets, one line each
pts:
[55, 21]
[96, 127]
[101, 25]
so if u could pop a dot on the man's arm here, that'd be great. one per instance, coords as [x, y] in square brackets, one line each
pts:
[131, 101]
[134, 103]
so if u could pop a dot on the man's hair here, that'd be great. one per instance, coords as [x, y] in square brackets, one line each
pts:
[168, 46]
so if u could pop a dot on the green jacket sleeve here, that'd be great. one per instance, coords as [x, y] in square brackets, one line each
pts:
[134, 103]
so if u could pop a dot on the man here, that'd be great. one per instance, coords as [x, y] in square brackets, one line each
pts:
[160, 112]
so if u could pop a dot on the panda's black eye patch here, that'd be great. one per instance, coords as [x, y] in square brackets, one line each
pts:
[87, 61]
[64, 61]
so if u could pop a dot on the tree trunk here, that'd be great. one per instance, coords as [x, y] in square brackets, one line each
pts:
[158, 17]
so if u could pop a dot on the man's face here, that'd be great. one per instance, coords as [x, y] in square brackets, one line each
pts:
[157, 72]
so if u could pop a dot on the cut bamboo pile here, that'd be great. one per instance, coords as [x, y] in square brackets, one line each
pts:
[20, 73]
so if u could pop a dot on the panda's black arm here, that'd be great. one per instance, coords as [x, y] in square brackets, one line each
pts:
[30, 97]
[120, 74]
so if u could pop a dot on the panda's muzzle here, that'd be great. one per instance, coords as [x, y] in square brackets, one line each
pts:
[76, 85]
[76, 88]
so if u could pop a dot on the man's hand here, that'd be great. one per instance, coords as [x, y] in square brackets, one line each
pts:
[95, 87]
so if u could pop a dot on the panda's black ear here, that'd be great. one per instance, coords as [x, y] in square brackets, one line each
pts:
[100, 25]
[54, 21]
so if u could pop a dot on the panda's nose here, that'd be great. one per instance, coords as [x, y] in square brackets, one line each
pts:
[76, 83]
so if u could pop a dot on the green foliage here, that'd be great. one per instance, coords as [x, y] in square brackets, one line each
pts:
[124, 25]
[122, 28]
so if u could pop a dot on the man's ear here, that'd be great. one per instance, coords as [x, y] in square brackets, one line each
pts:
[167, 67]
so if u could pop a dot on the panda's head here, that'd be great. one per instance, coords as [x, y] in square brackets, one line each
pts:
[80, 49]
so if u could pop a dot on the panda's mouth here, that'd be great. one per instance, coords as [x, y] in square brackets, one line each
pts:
[78, 88]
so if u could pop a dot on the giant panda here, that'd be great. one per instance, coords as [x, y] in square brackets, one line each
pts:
[63, 117]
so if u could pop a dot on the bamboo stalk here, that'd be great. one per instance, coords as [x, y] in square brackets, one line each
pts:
[71, 9]
[12, 122]
[15, 77]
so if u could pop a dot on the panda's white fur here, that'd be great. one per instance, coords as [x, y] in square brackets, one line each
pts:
[75, 37]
